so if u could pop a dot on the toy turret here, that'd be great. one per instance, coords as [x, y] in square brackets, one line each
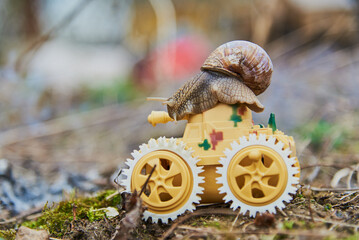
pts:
[157, 117]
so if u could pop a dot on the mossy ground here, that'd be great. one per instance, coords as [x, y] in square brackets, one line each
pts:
[66, 217]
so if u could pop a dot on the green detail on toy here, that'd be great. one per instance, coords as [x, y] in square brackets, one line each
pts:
[205, 145]
[261, 125]
[271, 122]
[235, 117]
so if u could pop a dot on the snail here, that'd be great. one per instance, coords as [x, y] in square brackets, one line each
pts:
[236, 72]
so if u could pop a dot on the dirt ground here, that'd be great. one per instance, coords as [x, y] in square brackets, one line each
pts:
[312, 214]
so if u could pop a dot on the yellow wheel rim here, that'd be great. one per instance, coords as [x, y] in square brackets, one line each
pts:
[170, 185]
[257, 175]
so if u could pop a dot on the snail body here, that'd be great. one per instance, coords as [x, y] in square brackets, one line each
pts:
[235, 72]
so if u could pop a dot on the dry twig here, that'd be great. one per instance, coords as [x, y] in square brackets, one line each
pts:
[348, 195]
[116, 112]
[355, 227]
[334, 189]
[323, 165]
[148, 178]
[347, 172]
[349, 201]
[282, 212]
[234, 222]
[201, 212]
[24, 215]
[302, 233]
[34, 46]
[112, 195]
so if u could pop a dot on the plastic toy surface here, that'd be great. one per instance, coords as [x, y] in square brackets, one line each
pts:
[222, 157]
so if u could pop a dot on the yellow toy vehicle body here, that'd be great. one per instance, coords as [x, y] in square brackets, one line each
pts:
[222, 156]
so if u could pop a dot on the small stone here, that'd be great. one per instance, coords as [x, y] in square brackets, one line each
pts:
[25, 233]
[5, 168]
[252, 237]
[264, 220]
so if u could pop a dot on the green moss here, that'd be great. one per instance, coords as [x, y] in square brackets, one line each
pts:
[299, 195]
[207, 221]
[214, 224]
[327, 207]
[57, 219]
[7, 234]
[288, 225]
[93, 214]
[297, 224]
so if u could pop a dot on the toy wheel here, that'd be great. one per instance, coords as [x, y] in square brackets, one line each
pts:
[174, 184]
[257, 175]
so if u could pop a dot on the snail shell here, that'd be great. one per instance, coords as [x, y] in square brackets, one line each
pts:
[244, 60]
[234, 73]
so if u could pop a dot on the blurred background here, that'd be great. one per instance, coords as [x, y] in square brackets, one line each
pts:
[74, 75]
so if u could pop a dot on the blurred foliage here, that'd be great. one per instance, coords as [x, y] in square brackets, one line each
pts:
[353, 237]
[323, 132]
[39, 103]
[288, 225]
[57, 219]
[116, 92]
[7, 234]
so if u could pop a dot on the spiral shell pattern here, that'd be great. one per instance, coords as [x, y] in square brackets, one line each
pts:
[244, 60]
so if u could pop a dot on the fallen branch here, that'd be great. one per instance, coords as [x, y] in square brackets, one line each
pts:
[349, 194]
[148, 178]
[235, 220]
[116, 112]
[328, 221]
[349, 201]
[345, 172]
[201, 212]
[281, 212]
[324, 165]
[23, 215]
[334, 189]
[35, 45]
[303, 233]
[112, 195]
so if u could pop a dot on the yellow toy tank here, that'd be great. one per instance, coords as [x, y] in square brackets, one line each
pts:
[222, 157]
